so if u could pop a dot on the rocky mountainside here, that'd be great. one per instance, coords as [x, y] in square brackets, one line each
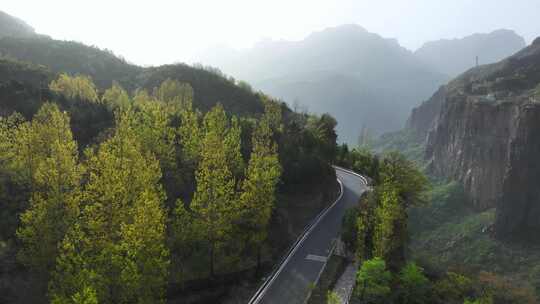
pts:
[361, 78]
[452, 57]
[486, 134]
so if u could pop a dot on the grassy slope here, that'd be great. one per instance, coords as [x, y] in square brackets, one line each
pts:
[446, 235]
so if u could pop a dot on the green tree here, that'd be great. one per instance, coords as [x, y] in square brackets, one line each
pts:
[186, 240]
[349, 233]
[118, 248]
[214, 197]
[323, 130]
[387, 213]
[151, 121]
[333, 298]
[13, 190]
[259, 188]
[47, 145]
[233, 148]
[190, 132]
[116, 98]
[373, 281]
[414, 285]
[77, 87]
[173, 92]
[410, 182]
[453, 287]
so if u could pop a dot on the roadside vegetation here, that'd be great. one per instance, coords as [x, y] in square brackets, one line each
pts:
[403, 231]
[149, 197]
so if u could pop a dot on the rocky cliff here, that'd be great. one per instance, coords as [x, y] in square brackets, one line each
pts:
[485, 133]
[424, 117]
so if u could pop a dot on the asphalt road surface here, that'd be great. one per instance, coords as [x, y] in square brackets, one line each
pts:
[291, 284]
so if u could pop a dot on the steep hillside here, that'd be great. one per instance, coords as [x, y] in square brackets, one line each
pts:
[486, 137]
[71, 57]
[209, 87]
[359, 77]
[14, 27]
[104, 67]
[452, 57]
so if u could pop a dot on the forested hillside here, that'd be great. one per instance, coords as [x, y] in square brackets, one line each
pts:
[148, 180]
[14, 27]
[104, 67]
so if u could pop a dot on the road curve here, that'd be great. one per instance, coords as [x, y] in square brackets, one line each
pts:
[303, 266]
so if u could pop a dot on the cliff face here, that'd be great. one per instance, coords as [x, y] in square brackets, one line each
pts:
[518, 212]
[424, 118]
[486, 134]
[470, 144]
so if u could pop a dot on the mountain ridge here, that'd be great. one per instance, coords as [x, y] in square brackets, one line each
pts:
[482, 129]
[379, 78]
[454, 56]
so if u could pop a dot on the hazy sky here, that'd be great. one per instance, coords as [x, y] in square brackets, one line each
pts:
[160, 31]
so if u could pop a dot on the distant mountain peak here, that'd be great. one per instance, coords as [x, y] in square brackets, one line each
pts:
[455, 56]
[345, 30]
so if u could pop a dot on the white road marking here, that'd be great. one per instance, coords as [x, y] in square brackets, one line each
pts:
[316, 258]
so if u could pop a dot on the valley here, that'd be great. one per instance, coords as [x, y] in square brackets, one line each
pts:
[405, 168]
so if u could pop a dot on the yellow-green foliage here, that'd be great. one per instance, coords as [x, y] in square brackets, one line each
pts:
[333, 298]
[116, 98]
[387, 213]
[259, 188]
[190, 132]
[383, 214]
[95, 230]
[214, 200]
[46, 150]
[373, 281]
[118, 246]
[75, 87]
[174, 92]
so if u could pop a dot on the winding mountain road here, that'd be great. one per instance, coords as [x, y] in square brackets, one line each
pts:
[291, 283]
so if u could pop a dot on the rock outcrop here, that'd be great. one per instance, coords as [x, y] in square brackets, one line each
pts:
[485, 133]
[424, 117]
